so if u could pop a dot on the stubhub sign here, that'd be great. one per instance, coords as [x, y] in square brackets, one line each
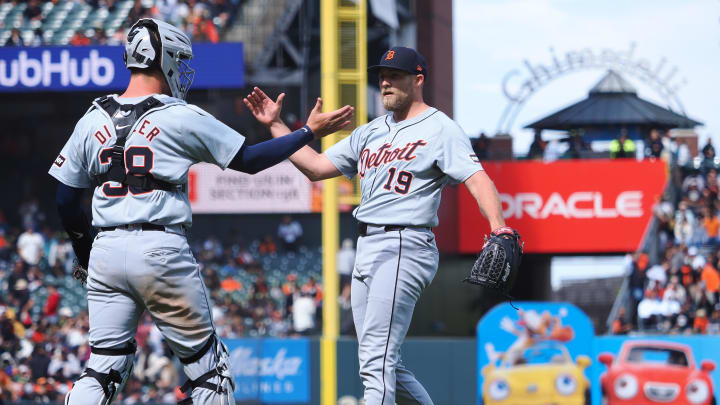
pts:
[67, 68]
[271, 370]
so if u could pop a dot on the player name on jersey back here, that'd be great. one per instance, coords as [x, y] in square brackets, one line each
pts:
[163, 143]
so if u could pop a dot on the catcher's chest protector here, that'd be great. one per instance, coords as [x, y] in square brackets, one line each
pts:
[124, 117]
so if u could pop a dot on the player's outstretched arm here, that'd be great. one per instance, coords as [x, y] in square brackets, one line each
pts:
[314, 165]
[483, 190]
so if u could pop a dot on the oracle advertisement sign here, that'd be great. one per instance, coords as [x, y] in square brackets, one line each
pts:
[574, 206]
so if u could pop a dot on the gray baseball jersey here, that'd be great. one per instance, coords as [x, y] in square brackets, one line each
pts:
[164, 142]
[132, 269]
[403, 166]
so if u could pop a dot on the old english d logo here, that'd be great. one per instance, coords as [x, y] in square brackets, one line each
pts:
[390, 55]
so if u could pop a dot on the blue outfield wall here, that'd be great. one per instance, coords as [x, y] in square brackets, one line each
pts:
[287, 371]
[523, 356]
[83, 68]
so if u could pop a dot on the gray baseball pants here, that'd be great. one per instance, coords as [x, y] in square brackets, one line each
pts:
[391, 270]
[135, 270]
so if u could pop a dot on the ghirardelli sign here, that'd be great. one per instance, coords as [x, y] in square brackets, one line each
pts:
[521, 83]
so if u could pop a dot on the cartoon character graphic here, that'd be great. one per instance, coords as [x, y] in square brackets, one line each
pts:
[533, 327]
[544, 373]
[537, 368]
[656, 372]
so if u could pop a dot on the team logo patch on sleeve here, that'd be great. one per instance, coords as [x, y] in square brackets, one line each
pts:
[474, 158]
[59, 160]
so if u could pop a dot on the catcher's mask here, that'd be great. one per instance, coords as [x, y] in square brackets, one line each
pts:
[153, 43]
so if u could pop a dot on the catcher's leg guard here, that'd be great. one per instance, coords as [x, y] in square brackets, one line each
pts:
[210, 380]
[105, 375]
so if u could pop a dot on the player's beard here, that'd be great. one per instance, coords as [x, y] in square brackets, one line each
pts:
[397, 101]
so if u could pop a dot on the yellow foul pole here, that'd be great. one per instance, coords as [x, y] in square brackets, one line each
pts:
[343, 33]
[330, 218]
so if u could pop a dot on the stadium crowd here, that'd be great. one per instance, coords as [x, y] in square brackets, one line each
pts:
[678, 290]
[202, 20]
[44, 319]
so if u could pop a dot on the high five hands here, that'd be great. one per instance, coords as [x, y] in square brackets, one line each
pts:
[267, 112]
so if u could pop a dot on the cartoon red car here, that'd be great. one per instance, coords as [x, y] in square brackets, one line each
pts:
[655, 372]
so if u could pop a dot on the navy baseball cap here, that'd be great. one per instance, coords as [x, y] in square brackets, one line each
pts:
[402, 58]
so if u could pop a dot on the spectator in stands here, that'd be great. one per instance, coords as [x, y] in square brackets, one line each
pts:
[15, 38]
[620, 325]
[137, 12]
[682, 152]
[245, 258]
[79, 39]
[708, 157]
[99, 37]
[576, 145]
[212, 250]
[52, 304]
[205, 30]
[279, 326]
[303, 313]
[653, 145]
[312, 289]
[664, 212]
[674, 292]
[33, 11]
[212, 280]
[537, 148]
[637, 275]
[684, 224]
[481, 146]
[346, 262]
[289, 289]
[700, 323]
[166, 11]
[711, 223]
[708, 150]
[289, 232]
[260, 289]
[711, 279]
[267, 246]
[39, 362]
[5, 247]
[650, 310]
[229, 284]
[30, 213]
[622, 147]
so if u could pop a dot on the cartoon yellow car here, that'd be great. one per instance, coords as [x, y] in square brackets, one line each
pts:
[543, 374]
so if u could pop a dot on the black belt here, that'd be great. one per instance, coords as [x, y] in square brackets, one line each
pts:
[363, 227]
[146, 226]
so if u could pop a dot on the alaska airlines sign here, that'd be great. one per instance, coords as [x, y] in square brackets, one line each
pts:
[572, 206]
[520, 84]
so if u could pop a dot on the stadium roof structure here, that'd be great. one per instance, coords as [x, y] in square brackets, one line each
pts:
[613, 102]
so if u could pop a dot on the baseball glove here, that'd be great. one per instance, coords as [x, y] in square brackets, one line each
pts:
[499, 261]
[79, 272]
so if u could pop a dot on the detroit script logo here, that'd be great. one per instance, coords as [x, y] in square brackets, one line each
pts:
[385, 155]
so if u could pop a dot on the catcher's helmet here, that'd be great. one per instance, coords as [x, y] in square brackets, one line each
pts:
[154, 43]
